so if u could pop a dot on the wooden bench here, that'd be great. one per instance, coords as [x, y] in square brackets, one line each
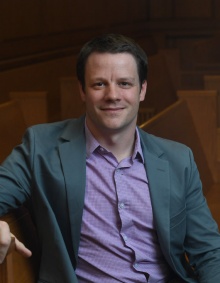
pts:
[33, 104]
[12, 127]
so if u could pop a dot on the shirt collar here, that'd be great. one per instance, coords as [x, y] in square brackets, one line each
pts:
[92, 144]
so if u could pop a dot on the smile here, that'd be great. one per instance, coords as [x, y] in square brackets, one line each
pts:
[112, 109]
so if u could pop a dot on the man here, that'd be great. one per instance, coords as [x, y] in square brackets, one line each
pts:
[111, 203]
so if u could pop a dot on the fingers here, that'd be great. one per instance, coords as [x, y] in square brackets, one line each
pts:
[12, 244]
[21, 249]
[5, 240]
[9, 243]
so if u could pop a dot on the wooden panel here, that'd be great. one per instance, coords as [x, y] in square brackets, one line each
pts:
[216, 8]
[176, 123]
[19, 19]
[161, 9]
[39, 77]
[172, 59]
[138, 11]
[213, 83]
[206, 54]
[12, 127]
[193, 8]
[144, 114]
[56, 15]
[33, 105]
[71, 102]
[199, 56]
[203, 107]
[160, 89]
[148, 44]
[35, 26]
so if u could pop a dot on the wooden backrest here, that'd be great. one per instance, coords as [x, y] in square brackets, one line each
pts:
[12, 127]
[176, 123]
[70, 99]
[33, 104]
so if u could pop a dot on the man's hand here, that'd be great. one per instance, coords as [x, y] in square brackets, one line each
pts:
[9, 243]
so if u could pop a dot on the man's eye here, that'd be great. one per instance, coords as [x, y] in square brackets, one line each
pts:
[99, 84]
[124, 84]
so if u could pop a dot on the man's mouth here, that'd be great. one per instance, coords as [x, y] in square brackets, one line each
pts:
[112, 109]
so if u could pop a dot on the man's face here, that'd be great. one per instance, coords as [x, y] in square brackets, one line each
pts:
[112, 92]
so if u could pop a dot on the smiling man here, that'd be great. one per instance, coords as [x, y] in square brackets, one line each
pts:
[112, 94]
[111, 203]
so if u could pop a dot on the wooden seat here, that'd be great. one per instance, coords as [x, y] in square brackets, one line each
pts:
[12, 127]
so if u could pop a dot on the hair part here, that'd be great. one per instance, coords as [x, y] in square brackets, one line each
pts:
[112, 43]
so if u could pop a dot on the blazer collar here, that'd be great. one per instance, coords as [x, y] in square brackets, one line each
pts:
[73, 158]
[157, 168]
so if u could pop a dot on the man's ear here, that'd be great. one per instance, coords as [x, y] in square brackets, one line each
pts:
[81, 91]
[143, 90]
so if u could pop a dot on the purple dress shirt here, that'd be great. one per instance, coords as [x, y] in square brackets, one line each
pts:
[118, 238]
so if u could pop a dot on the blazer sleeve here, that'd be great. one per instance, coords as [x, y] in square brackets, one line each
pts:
[202, 242]
[16, 175]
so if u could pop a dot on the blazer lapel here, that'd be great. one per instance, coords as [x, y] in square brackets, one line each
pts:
[158, 177]
[73, 159]
[159, 184]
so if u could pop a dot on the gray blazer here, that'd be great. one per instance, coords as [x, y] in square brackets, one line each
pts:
[48, 170]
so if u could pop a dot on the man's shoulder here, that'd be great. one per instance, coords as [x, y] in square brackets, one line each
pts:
[59, 126]
[56, 132]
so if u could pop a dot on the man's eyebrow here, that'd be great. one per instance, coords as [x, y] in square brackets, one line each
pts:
[127, 78]
[97, 78]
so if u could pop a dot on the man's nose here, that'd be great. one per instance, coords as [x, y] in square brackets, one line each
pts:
[112, 92]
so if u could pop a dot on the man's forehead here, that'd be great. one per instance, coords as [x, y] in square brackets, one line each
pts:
[115, 58]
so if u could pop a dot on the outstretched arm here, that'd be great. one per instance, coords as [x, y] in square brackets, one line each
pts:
[9, 243]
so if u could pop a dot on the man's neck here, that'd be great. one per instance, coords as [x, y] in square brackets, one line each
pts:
[120, 147]
[120, 144]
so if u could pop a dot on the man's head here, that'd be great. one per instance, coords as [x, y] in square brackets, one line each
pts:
[112, 43]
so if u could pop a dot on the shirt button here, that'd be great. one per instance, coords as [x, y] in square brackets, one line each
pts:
[125, 238]
[136, 265]
[121, 205]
